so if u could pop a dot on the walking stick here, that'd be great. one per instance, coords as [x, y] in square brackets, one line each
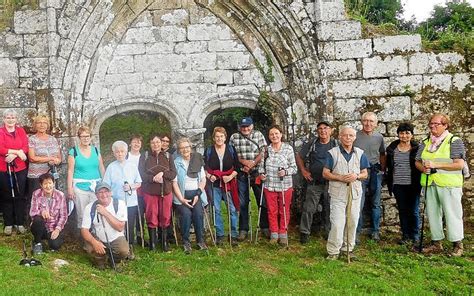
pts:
[140, 224]
[348, 215]
[227, 193]
[423, 215]
[161, 218]
[108, 243]
[259, 212]
[129, 192]
[250, 208]
[284, 209]
[213, 211]
[174, 227]
[11, 179]
[206, 217]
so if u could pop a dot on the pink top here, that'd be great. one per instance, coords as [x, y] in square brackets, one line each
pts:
[56, 205]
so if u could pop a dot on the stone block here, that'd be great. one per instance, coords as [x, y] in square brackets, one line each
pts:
[218, 77]
[156, 78]
[57, 66]
[186, 89]
[384, 66]
[126, 78]
[361, 88]
[340, 70]
[341, 30]
[17, 98]
[348, 109]
[226, 45]
[397, 44]
[172, 34]
[162, 63]
[142, 35]
[406, 84]
[65, 47]
[11, 45]
[427, 63]
[52, 21]
[178, 17]
[329, 10]
[237, 90]
[165, 4]
[203, 61]
[121, 64]
[130, 49]
[198, 15]
[460, 81]
[394, 108]
[30, 21]
[438, 81]
[208, 32]
[233, 60]
[144, 20]
[160, 47]
[36, 45]
[327, 50]
[251, 76]
[190, 47]
[53, 44]
[30, 67]
[353, 49]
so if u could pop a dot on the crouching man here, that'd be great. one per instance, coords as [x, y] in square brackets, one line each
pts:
[345, 167]
[103, 227]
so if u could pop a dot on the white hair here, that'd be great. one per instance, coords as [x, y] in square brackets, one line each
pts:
[367, 114]
[119, 144]
[345, 127]
[7, 112]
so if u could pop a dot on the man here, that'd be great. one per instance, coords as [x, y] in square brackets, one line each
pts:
[310, 161]
[103, 226]
[373, 145]
[249, 145]
[346, 166]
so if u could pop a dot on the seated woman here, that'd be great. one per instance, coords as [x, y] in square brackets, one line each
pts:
[48, 213]
[189, 194]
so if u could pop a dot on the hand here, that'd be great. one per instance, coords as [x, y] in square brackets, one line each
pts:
[70, 194]
[55, 234]
[57, 160]
[349, 178]
[247, 163]
[102, 210]
[127, 187]
[10, 157]
[246, 169]
[21, 155]
[45, 214]
[187, 203]
[158, 178]
[99, 247]
[212, 178]
[227, 179]
[195, 200]
[263, 177]
[307, 175]
[281, 173]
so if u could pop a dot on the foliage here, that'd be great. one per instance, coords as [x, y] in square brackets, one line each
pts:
[375, 11]
[8, 7]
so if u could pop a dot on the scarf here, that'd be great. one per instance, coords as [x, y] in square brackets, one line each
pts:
[230, 186]
[436, 141]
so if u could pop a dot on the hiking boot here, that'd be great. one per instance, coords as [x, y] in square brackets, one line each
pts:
[164, 241]
[187, 248]
[266, 233]
[8, 230]
[202, 246]
[37, 249]
[458, 250]
[304, 238]
[434, 248]
[242, 235]
[332, 257]
[20, 229]
[283, 241]
[220, 240]
[375, 236]
[152, 243]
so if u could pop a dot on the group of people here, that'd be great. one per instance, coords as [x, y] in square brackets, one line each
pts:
[139, 188]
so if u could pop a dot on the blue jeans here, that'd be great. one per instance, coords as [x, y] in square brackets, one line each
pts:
[244, 198]
[408, 202]
[372, 191]
[194, 215]
[219, 195]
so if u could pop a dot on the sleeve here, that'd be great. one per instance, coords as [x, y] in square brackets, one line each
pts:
[329, 161]
[421, 147]
[364, 162]
[292, 169]
[24, 141]
[62, 213]
[108, 175]
[3, 149]
[232, 140]
[458, 150]
[171, 173]
[31, 142]
[235, 157]
[86, 217]
[138, 178]
[35, 204]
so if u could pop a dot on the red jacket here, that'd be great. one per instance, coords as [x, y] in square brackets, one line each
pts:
[19, 142]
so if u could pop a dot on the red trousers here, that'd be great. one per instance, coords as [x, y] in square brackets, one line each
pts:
[158, 210]
[276, 216]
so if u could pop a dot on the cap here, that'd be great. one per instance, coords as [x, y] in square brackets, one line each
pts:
[246, 121]
[323, 122]
[101, 185]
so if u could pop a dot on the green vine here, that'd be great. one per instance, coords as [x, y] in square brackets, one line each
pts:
[268, 76]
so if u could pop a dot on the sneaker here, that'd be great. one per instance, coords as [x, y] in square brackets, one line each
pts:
[202, 246]
[37, 249]
[187, 248]
[304, 238]
[458, 250]
[20, 229]
[332, 257]
[8, 230]
[242, 235]
[283, 241]
[434, 248]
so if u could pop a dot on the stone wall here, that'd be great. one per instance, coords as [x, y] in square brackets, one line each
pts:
[84, 61]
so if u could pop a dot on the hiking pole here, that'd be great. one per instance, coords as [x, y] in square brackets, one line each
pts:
[140, 224]
[174, 227]
[228, 214]
[108, 243]
[259, 212]
[213, 211]
[348, 215]
[206, 217]
[250, 208]
[284, 209]
[10, 178]
[420, 248]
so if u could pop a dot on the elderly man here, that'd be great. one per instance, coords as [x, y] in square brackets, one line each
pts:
[249, 145]
[372, 143]
[310, 161]
[102, 229]
[346, 166]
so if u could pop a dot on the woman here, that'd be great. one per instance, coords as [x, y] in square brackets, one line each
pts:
[158, 172]
[189, 193]
[221, 163]
[13, 171]
[134, 154]
[44, 153]
[403, 179]
[277, 171]
[166, 145]
[48, 214]
[84, 168]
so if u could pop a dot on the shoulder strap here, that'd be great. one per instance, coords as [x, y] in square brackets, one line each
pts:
[74, 151]
[93, 211]
[252, 141]
[116, 204]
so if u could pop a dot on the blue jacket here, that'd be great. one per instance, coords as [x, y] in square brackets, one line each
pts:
[181, 174]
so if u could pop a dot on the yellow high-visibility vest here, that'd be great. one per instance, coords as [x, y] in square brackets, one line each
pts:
[441, 178]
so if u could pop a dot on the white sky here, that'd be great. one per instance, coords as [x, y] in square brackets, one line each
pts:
[422, 8]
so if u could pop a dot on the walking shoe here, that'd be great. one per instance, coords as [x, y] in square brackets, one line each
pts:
[434, 248]
[235, 242]
[283, 241]
[20, 229]
[266, 233]
[131, 255]
[375, 236]
[332, 257]
[273, 241]
[242, 235]
[8, 230]
[187, 248]
[352, 256]
[304, 238]
[202, 246]
[37, 249]
[458, 250]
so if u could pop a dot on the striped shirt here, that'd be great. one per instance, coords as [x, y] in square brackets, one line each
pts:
[245, 148]
[42, 148]
[284, 158]
[401, 167]
[56, 207]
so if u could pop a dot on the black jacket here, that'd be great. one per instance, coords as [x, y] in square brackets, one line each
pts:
[415, 173]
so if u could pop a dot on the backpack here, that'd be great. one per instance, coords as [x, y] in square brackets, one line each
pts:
[229, 148]
[307, 160]
[94, 210]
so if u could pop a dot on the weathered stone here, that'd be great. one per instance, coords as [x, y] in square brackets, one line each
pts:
[186, 88]
[144, 20]
[30, 21]
[327, 50]
[219, 77]
[226, 45]
[156, 78]
[142, 35]
[244, 90]
[397, 44]
[394, 108]
[165, 4]
[160, 47]
[384, 66]
[208, 32]
[252, 76]
[130, 49]
[36, 45]
[30, 67]
[406, 84]
[172, 34]
[52, 21]
[57, 67]
[438, 81]
[166, 63]
[361, 88]
[426, 63]
[121, 64]
[348, 109]
[329, 10]
[353, 49]
[233, 60]
[11, 45]
[190, 47]
[127, 78]
[341, 30]
[460, 81]
[179, 17]
[198, 15]
[203, 61]
[341, 70]
[17, 98]
[53, 44]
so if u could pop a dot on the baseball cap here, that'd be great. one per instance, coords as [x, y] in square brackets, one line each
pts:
[246, 121]
[101, 185]
[323, 122]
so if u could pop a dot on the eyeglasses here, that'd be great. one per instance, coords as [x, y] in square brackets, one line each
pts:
[435, 124]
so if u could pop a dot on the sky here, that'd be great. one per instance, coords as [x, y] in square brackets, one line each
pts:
[422, 8]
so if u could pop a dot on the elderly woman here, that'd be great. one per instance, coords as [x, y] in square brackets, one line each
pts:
[123, 176]
[48, 214]
[277, 171]
[84, 169]
[440, 158]
[222, 163]
[158, 171]
[189, 193]
[44, 153]
[403, 180]
[13, 172]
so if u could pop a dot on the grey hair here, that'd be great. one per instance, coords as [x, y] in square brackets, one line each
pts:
[183, 140]
[9, 112]
[367, 114]
[344, 127]
[119, 144]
